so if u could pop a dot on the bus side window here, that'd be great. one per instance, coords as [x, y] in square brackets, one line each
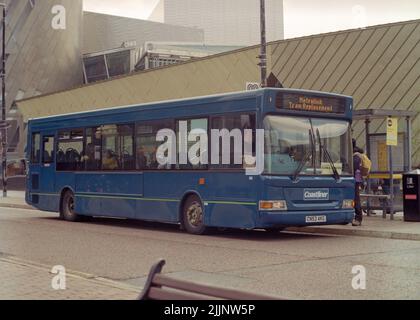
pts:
[93, 149]
[126, 146]
[36, 148]
[69, 151]
[231, 122]
[146, 144]
[192, 124]
[48, 150]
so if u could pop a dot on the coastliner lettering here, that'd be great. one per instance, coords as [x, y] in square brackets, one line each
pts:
[315, 195]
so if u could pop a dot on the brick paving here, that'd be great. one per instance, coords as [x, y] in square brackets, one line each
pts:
[24, 281]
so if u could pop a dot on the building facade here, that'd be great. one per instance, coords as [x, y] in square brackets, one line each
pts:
[41, 57]
[233, 22]
[379, 66]
[105, 32]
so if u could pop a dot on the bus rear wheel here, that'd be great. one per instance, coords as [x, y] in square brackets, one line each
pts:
[67, 208]
[193, 216]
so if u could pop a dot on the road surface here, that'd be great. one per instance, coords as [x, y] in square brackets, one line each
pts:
[291, 265]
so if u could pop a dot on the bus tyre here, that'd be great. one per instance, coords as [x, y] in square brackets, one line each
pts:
[67, 208]
[193, 216]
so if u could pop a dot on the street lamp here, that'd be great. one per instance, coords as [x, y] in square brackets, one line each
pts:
[263, 53]
[3, 124]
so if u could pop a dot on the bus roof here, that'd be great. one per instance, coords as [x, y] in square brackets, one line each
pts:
[189, 101]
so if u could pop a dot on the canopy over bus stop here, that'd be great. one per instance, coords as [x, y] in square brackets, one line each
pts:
[386, 164]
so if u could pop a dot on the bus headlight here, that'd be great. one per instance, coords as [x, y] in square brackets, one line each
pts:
[277, 205]
[348, 204]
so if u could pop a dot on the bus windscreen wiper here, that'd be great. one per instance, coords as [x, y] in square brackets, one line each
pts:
[328, 156]
[305, 159]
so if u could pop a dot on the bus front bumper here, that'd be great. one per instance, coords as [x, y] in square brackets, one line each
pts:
[273, 219]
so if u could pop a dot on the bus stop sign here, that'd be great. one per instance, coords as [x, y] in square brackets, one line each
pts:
[392, 132]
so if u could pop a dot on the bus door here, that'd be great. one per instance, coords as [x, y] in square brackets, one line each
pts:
[47, 167]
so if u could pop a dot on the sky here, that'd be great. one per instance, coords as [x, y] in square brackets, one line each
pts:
[301, 17]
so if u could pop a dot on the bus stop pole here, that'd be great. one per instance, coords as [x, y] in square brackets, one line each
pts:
[391, 183]
[408, 145]
[367, 134]
[3, 107]
[263, 49]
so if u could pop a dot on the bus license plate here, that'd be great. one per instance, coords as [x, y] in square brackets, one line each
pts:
[316, 219]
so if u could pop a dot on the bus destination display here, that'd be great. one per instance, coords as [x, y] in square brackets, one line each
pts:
[310, 103]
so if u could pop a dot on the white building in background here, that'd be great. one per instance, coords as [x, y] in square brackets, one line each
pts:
[225, 22]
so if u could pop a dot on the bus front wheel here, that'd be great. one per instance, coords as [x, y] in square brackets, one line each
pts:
[67, 208]
[193, 216]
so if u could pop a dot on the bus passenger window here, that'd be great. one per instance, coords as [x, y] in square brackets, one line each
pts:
[193, 124]
[70, 149]
[36, 148]
[92, 151]
[48, 147]
[147, 146]
[232, 122]
[126, 147]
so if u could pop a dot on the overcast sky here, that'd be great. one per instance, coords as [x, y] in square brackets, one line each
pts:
[301, 17]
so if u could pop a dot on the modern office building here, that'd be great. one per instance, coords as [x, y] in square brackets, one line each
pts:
[112, 45]
[103, 32]
[379, 66]
[158, 54]
[233, 22]
[40, 58]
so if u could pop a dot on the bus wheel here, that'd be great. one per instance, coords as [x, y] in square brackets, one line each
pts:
[67, 208]
[193, 216]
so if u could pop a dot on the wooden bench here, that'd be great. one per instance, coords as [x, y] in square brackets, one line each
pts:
[384, 206]
[161, 287]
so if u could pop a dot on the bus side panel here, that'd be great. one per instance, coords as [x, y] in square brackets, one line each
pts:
[64, 180]
[108, 194]
[229, 198]
[162, 192]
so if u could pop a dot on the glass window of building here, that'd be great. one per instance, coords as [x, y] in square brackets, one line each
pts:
[95, 68]
[118, 63]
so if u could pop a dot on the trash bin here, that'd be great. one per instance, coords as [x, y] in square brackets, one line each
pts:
[411, 194]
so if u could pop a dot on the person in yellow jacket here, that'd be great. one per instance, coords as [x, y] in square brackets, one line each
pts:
[109, 161]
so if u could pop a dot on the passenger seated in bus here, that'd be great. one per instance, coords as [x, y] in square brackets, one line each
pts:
[154, 164]
[89, 157]
[141, 160]
[109, 161]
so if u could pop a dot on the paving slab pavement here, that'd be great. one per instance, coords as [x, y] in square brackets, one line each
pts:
[372, 226]
[14, 199]
[23, 280]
